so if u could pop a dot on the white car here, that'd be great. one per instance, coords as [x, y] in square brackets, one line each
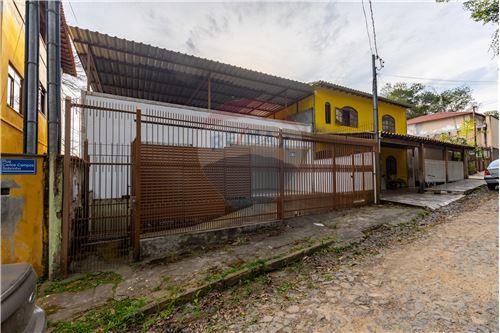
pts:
[491, 175]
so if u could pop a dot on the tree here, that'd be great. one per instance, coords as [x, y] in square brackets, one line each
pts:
[425, 100]
[485, 11]
[492, 113]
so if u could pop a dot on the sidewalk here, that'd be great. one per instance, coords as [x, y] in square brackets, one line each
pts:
[159, 278]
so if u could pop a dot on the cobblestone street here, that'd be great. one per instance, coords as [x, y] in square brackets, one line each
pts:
[440, 275]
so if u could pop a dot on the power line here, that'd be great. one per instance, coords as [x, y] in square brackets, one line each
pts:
[74, 15]
[435, 79]
[366, 24]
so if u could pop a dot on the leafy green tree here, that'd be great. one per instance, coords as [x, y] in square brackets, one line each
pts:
[485, 11]
[426, 100]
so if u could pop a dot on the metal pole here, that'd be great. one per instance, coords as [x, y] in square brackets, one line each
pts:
[281, 177]
[376, 132]
[53, 76]
[136, 174]
[209, 92]
[31, 79]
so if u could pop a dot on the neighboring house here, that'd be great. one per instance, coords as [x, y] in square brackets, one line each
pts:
[459, 124]
[339, 109]
[23, 195]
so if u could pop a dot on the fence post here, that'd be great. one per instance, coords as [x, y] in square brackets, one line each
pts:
[136, 174]
[66, 187]
[334, 177]
[281, 177]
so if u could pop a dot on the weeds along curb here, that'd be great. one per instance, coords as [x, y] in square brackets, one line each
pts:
[233, 278]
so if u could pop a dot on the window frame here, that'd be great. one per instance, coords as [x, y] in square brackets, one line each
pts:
[388, 118]
[11, 84]
[328, 113]
[346, 116]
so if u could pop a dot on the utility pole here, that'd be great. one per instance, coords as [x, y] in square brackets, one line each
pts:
[376, 133]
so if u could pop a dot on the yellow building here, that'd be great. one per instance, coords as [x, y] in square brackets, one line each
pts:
[336, 109]
[23, 195]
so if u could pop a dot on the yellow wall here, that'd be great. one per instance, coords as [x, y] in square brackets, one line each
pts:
[22, 218]
[302, 105]
[22, 209]
[400, 155]
[362, 105]
[12, 51]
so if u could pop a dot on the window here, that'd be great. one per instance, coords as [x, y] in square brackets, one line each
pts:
[14, 89]
[41, 99]
[328, 113]
[346, 116]
[388, 124]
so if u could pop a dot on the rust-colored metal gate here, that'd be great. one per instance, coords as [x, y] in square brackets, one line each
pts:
[141, 174]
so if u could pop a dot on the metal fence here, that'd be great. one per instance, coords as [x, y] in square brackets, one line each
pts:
[146, 173]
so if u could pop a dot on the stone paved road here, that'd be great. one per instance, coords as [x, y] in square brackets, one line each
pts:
[444, 280]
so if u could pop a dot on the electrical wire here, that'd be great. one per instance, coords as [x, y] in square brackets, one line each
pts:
[366, 25]
[74, 15]
[446, 80]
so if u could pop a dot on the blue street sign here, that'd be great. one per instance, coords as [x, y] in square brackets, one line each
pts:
[18, 166]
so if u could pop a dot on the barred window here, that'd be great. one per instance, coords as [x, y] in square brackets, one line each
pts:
[346, 116]
[388, 124]
[328, 113]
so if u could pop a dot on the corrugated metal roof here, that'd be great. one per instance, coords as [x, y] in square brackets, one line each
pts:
[127, 68]
[338, 87]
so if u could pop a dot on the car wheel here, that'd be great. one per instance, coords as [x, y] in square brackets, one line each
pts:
[492, 186]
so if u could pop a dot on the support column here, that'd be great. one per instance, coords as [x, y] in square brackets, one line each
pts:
[445, 158]
[55, 170]
[66, 187]
[465, 159]
[421, 169]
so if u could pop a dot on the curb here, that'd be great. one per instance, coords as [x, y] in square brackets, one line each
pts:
[233, 279]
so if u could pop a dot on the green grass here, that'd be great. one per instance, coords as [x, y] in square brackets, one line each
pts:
[285, 287]
[88, 281]
[114, 317]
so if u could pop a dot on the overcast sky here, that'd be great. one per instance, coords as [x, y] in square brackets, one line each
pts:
[313, 41]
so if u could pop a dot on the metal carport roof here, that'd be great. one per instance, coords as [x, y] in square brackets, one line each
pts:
[126, 68]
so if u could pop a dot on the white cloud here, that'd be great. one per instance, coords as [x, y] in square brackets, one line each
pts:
[312, 41]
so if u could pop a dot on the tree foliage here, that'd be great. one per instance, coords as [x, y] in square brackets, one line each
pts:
[425, 100]
[485, 11]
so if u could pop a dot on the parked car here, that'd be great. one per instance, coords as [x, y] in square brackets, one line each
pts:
[491, 175]
[19, 312]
